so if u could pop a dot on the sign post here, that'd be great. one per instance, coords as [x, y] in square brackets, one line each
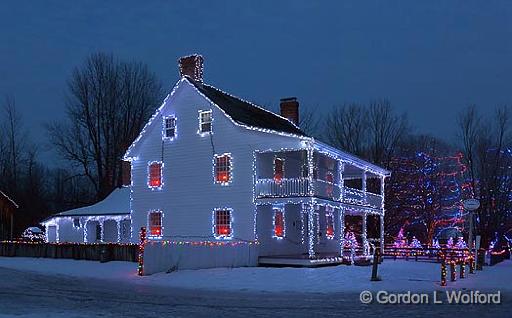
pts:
[471, 205]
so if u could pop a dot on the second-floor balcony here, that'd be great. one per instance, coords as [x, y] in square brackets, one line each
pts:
[302, 187]
[285, 174]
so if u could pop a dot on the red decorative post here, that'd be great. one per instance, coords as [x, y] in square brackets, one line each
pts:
[142, 242]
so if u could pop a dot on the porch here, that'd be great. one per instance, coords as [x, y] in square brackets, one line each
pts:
[316, 232]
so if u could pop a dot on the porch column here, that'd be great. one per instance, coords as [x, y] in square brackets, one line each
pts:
[118, 224]
[364, 235]
[102, 227]
[382, 189]
[382, 234]
[342, 229]
[311, 230]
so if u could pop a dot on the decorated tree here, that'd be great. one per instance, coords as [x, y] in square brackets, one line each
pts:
[449, 244]
[426, 188]
[400, 240]
[350, 240]
[461, 243]
[415, 243]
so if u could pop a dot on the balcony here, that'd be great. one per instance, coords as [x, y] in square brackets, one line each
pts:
[300, 187]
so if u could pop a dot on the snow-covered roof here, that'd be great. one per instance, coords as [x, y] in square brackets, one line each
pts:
[118, 202]
[9, 199]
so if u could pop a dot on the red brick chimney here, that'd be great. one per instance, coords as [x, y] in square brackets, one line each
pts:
[290, 109]
[192, 66]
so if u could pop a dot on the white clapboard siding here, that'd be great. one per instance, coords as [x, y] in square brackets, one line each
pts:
[189, 195]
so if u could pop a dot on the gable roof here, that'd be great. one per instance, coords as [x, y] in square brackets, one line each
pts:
[246, 113]
[9, 199]
[117, 203]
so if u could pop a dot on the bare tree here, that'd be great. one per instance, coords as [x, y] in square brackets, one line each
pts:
[108, 103]
[13, 143]
[487, 144]
[346, 127]
[386, 131]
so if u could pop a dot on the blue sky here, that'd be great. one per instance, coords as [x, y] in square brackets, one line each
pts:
[430, 58]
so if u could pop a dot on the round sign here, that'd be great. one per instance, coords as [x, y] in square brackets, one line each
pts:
[471, 204]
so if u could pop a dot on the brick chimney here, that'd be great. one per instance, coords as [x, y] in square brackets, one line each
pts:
[126, 173]
[192, 66]
[290, 109]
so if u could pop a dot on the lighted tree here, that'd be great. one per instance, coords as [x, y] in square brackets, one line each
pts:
[435, 244]
[449, 244]
[400, 240]
[426, 188]
[350, 240]
[415, 243]
[461, 243]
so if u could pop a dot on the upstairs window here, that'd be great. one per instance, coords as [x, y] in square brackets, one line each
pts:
[170, 127]
[155, 174]
[222, 168]
[329, 225]
[205, 121]
[222, 223]
[155, 223]
[278, 223]
[278, 169]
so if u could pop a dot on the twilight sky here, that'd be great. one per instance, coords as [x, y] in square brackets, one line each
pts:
[430, 58]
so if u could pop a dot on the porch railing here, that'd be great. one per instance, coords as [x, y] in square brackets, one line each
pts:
[300, 187]
[269, 188]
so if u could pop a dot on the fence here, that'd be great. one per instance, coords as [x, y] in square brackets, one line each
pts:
[78, 251]
[424, 253]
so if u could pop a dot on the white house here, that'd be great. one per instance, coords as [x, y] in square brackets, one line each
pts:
[219, 181]
[107, 221]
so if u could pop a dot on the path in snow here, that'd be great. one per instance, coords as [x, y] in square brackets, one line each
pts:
[34, 288]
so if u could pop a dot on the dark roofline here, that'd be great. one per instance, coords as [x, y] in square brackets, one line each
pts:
[247, 113]
[9, 199]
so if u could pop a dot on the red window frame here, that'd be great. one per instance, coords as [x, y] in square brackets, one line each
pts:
[278, 169]
[155, 175]
[223, 168]
[222, 220]
[278, 223]
[155, 223]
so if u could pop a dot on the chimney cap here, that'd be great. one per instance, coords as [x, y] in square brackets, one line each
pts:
[289, 99]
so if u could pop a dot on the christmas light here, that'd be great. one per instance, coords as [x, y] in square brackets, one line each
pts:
[169, 128]
[222, 231]
[140, 258]
[155, 179]
[278, 222]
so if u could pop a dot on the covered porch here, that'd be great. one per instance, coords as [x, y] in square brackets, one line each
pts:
[318, 232]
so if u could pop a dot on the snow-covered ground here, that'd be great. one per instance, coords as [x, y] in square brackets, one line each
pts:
[396, 276]
[38, 287]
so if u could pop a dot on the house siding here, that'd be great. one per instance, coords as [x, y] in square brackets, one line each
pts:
[189, 195]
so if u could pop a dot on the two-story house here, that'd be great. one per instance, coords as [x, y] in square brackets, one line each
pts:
[219, 181]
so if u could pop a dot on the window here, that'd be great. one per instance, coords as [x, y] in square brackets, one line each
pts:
[155, 223]
[278, 223]
[205, 121]
[278, 169]
[155, 174]
[223, 168]
[329, 224]
[222, 223]
[170, 127]
[76, 223]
